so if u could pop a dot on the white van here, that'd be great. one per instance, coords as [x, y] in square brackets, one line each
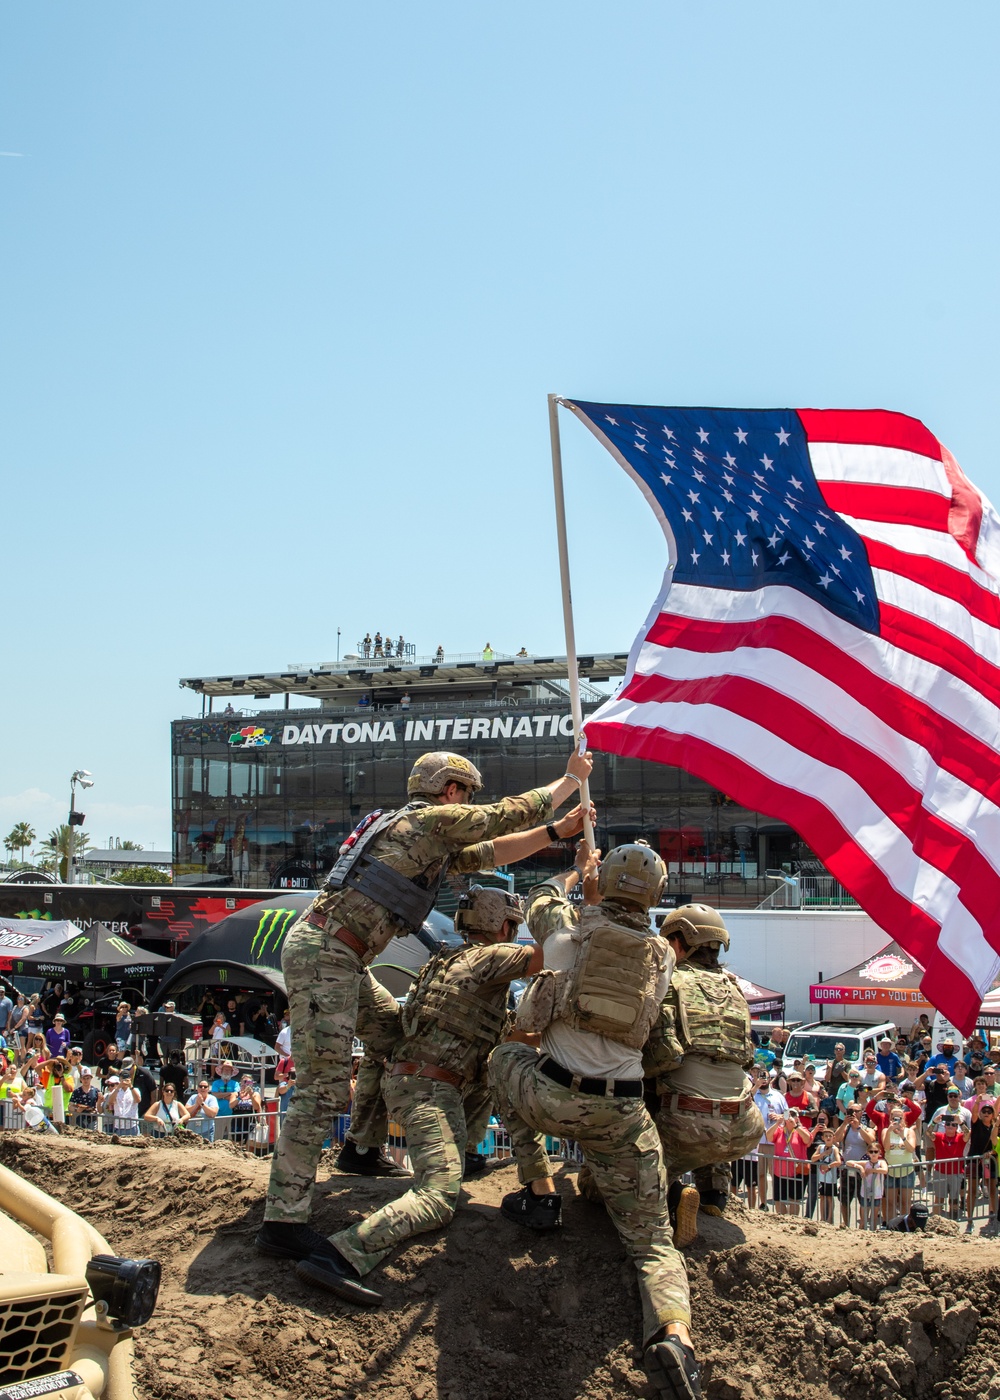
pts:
[816, 1040]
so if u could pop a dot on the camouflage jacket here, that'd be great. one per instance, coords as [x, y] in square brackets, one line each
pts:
[439, 1027]
[547, 910]
[418, 844]
[703, 1014]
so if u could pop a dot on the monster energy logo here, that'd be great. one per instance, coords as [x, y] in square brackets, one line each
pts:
[223, 974]
[271, 929]
[74, 945]
[120, 946]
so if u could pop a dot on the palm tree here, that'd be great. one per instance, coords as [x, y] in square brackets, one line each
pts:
[66, 839]
[21, 836]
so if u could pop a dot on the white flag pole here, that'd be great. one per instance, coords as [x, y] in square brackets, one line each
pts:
[567, 602]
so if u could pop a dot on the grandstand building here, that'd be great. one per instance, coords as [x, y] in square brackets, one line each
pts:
[263, 797]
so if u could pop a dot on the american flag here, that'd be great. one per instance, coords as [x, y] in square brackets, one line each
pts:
[826, 649]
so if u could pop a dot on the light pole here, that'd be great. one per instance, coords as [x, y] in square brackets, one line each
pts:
[76, 818]
[338, 646]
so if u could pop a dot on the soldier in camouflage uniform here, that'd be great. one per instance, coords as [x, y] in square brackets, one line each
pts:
[454, 1016]
[605, 977]
[363, 1152]
[384, 884]
[698, 1051]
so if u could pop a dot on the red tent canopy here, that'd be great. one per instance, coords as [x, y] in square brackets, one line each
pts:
[763, 1003]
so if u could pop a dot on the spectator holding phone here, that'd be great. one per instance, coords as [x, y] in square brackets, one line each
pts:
[981, 1164]
[849, 1092]
[899, 1150]
[949, 1168]
[853, 1140]
[791, 1167]
[826, 1160]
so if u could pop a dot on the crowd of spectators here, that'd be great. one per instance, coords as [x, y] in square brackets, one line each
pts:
[865, 1145]
[41, 1068]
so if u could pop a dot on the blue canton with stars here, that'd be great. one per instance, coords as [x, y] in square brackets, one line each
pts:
[738, 491]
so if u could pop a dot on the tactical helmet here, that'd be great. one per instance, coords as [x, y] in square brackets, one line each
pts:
[633, 873]
[697, 924]
[432, 773]
[485, 910]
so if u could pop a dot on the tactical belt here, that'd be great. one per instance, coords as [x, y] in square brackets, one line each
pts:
[728, 1108]
[606, 1088]
[342, 935]
[423, 1071]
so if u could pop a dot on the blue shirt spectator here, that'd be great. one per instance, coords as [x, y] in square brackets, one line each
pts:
[226, 1084]
[946, 1056]
[888, 1061]
[203, 1108]
[6, 1010]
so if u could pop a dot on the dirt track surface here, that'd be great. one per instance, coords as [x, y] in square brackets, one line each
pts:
[782, 1311]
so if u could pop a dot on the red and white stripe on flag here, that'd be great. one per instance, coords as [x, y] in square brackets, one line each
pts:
[881, 750]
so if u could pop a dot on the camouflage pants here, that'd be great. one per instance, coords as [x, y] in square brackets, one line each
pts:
[327, 990]
[705, 1144]
[379, 1027]
[478, 1111]
[370, 1119]
[433, 1116]
[621, 1146]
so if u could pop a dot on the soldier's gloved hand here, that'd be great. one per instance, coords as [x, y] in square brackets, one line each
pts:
[572, 823]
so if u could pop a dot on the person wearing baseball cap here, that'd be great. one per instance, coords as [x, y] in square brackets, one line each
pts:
[953, 1107]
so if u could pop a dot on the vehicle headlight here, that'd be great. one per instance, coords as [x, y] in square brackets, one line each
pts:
[127, 1287]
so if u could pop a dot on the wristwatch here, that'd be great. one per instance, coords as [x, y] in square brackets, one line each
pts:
[551, 832]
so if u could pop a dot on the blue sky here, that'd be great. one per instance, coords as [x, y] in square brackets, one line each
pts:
[285, 288]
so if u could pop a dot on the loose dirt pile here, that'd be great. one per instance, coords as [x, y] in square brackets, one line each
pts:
[783, 1310]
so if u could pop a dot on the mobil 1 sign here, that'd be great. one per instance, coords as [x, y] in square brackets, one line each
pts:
[430, 731]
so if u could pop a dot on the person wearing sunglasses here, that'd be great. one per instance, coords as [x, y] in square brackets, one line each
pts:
[165, 1112]
[383, 885]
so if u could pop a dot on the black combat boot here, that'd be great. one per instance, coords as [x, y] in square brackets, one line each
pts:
[475, 1164]
[329, 1269]
[672, 1369]
[531, 1211]
[367, 1161]
[285, 1241]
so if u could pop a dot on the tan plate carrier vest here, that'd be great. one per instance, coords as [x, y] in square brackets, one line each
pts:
[611, 988]
[438, 1003]
[704, 1013]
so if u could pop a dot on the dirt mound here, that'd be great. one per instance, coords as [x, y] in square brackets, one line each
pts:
[783, 1310]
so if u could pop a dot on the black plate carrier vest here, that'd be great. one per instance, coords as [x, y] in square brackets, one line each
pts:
[408, 899]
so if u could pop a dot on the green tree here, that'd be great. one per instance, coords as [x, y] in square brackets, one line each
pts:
[140, 875]
[20, 836]
[129, 846]
[66, 839]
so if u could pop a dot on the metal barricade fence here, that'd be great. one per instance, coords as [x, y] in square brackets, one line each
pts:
[962, 1189]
